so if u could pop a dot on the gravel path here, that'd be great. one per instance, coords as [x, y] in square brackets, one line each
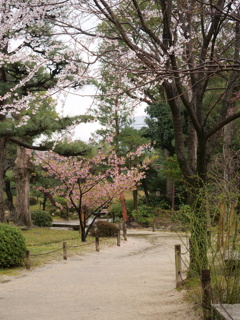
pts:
[134, 281]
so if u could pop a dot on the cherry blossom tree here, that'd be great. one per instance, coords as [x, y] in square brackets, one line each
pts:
[90, 184]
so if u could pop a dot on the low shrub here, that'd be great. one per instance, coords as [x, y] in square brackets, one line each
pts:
[115, 211]
[65, 212]
[12, 246]
[41, 218]
[144, 215]
[32, 201]
[105, 229]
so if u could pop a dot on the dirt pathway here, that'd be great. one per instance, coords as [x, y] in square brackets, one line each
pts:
[134, 281]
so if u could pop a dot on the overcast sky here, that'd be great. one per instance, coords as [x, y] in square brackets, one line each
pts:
[78, 103]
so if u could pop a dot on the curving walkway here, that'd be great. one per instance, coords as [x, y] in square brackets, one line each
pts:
[134, 281]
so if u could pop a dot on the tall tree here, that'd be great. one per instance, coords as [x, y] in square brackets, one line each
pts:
[22, 177]
[43, 123]
[185, 54]
[32, 59]
[114, 114]
[159, 129]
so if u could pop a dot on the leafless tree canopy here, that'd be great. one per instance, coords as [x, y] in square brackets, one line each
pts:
[185, 53]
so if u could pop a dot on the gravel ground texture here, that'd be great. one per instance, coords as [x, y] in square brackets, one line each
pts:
[133, 281]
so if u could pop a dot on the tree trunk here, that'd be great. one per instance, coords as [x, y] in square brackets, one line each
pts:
[198, 243]
[173, 198]
[145, 189]
[124, 207]
[229, 172]
[82, 224]
[2, 161]
[83, 235]
[169, 189]
[21, 176]
[229, 168]
[169, 182]
[199, 224]
[44, 202]
[10, 204]
[135, 199]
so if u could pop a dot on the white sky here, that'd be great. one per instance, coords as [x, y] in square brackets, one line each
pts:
[79, 103]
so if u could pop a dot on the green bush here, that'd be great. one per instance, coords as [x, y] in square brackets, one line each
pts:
[105, 229]
[115, 211]
[41, 218]
[144, 215]
[12, 246]
[64, 212]
[32, 201]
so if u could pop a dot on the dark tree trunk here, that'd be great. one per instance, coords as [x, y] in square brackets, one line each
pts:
[44, 201]
[21, 176]
[145, 189]
[173, 197]
[199, 225]
[169, 182]
[124, 207]
[135, 199]
[10, 204]
[2, 161]
[82, 225]
[83, 235]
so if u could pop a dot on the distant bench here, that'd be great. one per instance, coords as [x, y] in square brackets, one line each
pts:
[72, 225]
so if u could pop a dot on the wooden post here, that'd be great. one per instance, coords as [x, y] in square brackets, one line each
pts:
[118, 237]
[154, 226]
[206, 294]
[124, 231]
[97, 243]
[178, 265]
[65, 250]
[27, 259]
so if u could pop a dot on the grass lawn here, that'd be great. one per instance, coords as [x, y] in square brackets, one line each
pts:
[45, 246]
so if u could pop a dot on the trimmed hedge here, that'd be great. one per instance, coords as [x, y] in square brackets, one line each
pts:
[12, 246]
[105, 229]
[32, 201]
[41, 218]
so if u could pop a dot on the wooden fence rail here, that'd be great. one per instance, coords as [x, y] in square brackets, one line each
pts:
[65, 248]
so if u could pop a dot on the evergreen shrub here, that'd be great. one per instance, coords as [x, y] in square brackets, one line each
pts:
[12, 246]
[64, 212]
[144, 215]
[105, 229]
[41, 218]
[32, 201]
[115, 211]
